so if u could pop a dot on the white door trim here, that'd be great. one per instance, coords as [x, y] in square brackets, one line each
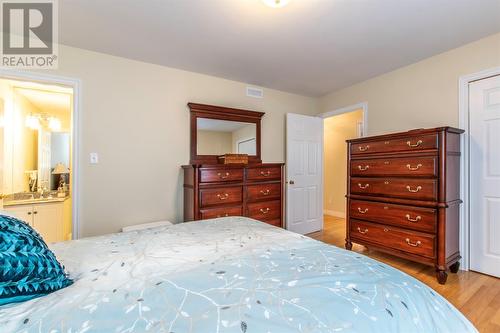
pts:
[463, 111]
[76, 85]
[350, 108]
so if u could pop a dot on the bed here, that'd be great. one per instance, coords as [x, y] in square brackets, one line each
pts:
[228, 275]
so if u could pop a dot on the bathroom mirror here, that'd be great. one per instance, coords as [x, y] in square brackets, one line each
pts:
[2, 144]
[216, 131]
[218, 137]
[35, 138]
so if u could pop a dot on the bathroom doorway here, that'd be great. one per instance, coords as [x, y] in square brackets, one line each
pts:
[37, 155]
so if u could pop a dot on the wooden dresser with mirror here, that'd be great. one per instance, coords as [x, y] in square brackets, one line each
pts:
[213, 189]
[403, 196]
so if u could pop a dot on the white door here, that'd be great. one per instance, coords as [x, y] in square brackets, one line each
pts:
[484, 111]
[304, 172]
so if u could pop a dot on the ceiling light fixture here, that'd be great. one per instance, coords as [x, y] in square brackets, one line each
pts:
[276, 3]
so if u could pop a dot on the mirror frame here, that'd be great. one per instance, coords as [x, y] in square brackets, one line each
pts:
[222, 113]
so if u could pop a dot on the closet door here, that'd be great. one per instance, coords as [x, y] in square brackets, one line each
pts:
[485, 176]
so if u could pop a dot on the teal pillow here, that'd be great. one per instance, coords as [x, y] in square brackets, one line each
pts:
[28, 269]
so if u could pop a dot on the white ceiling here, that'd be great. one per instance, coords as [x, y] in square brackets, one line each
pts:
[310, 47]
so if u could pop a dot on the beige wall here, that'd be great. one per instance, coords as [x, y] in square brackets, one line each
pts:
[214, 143]
[337, 130]
[424, 94]
[135, 116]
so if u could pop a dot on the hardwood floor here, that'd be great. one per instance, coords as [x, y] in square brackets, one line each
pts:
[476, 295]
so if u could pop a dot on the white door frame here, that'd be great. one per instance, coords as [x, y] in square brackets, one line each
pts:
[464, 113]
[76, 85]
[347, 109]
[350, 108]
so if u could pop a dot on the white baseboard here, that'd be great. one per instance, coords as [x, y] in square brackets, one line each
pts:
[334, 213]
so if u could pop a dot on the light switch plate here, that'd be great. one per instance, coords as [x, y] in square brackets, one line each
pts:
[94, 158]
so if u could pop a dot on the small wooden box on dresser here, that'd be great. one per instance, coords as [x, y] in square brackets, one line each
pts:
[403, 196]
[255, 191]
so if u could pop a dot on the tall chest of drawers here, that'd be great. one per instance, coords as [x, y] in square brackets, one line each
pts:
[254, 190]
[403, 196]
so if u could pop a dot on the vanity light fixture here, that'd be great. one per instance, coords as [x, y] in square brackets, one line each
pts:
[32, 122]
[276, 3]
[54, 124]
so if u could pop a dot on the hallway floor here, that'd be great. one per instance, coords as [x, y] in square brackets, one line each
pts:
[476, 295]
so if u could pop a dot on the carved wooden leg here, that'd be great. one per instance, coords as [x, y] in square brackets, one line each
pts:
[454, 268]
[441, 276]
[348, 244]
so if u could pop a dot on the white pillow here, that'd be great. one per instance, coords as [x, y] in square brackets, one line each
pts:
[146, 226]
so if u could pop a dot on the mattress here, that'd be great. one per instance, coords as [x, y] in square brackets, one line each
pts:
[228, 275]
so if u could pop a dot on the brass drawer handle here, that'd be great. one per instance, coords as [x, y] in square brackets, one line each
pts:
[363, 168]
[363, 187]
[362, 231]
[223, 175]
[362, 211]
[29, 213]
[416, 219]
[223, 196]
[413, 168]
[408, 187]
[414, 145]
[265, 173]
[416, 244]
[225, 215]
[365, 148]
[266, 192]
[265, 211]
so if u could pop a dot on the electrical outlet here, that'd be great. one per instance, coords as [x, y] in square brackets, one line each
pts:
[94, 158]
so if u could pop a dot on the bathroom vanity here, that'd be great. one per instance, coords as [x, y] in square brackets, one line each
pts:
[51, 218]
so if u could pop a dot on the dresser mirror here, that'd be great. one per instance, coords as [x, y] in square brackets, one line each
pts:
[216, 131]
[218, 137]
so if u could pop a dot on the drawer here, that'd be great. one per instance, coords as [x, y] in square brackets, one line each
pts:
[263, 192]
[412, 166]
[400, 239]
[265, 211]
[220, 196]
[406, 188]
[264, 173]
[220, 175]
[276, 223]
[221, 212]
[410, 143]
[417, 218]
